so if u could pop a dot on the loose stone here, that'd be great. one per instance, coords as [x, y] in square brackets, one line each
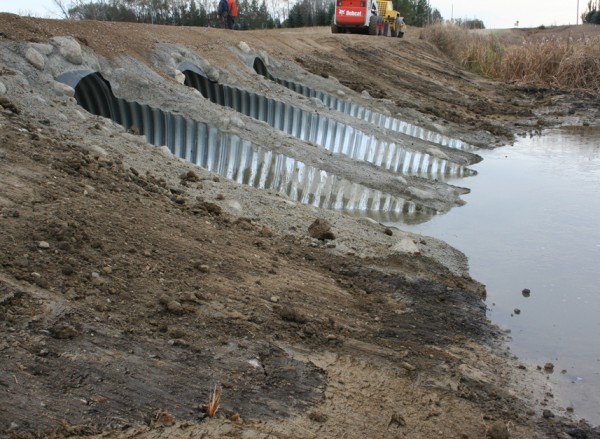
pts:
[547, 414]
[175, 307]
[407, 366]
[35, 58]
[548, 367]
[498, 430]
[321, 229]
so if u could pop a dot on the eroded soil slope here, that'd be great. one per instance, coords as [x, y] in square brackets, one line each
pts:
[132, 282]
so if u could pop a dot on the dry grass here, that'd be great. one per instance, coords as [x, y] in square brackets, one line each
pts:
[213, 401]
[555, 61]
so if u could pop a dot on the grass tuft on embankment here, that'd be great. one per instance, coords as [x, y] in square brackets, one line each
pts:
[551, 60]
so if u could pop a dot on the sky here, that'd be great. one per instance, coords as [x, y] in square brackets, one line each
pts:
[503, 14]
[495, 14]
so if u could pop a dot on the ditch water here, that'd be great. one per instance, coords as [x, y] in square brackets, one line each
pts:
[531, 221]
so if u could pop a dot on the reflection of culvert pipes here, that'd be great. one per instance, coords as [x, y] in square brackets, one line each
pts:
[332, 135]
[230, 156]
[359, 112]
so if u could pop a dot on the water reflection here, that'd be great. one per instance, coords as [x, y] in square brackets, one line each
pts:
[414, 215]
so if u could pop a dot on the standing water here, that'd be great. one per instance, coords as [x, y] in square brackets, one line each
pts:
[532, 221]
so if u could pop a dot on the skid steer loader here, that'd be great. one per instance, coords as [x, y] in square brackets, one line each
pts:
[373, 17]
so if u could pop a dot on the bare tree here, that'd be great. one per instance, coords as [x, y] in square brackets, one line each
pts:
[64, 8]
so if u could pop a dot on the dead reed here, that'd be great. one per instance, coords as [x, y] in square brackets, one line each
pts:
[213, 401]
[553, 60]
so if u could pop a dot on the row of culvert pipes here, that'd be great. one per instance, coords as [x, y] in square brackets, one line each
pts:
[246, 163]
[335, 136]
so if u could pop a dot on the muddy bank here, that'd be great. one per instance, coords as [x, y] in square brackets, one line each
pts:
[132, 282]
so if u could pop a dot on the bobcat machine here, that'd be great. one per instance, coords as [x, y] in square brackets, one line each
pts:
[373, 17]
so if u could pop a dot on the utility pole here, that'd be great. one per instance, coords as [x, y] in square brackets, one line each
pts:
[577, 12]
[430, 19]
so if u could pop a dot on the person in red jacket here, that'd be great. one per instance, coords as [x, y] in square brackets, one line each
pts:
[232, 13]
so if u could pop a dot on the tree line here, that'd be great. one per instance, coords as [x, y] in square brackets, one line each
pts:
[169, 12]
[251, 13]
[592, 14]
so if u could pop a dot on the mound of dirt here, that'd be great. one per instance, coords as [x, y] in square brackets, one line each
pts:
[132, 283]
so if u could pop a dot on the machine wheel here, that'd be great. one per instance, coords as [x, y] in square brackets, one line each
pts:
[373, 25]
[379, 26]
[400, 34]
[395, 29]
[386, 29]
[334, 27]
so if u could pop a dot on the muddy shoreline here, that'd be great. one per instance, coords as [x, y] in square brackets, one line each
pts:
[132, 282]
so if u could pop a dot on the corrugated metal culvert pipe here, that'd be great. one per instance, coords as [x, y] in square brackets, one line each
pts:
[328, 133]
[360, 112]
[232, 157]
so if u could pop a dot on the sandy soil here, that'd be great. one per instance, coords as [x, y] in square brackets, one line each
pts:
[132, 282]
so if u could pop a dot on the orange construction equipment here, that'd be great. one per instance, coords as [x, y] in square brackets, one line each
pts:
[373, 17]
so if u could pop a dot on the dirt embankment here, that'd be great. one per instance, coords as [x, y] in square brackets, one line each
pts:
[132, 282]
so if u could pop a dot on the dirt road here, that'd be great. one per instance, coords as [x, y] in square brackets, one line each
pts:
[132, 282]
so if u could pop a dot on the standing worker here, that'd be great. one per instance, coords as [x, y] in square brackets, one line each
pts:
[223, 11]
[232, 13]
